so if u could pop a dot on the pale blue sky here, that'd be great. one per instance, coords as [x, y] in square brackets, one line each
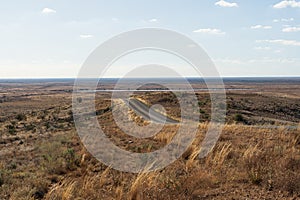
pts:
[52, 38]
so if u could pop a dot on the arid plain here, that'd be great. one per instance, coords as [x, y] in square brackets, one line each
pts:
[256, 157]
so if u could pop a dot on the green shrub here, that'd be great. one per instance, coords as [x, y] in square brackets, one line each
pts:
[1, 178]
[30, 127]
[71, 159]
[11, 129]
[12, 166]
[21, 117]
[239, 118]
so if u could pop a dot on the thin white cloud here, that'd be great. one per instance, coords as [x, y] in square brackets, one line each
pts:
[283, 20]
[229, 60]
[291, 29]
[287, 3]
[115, 19]
[86, 36]
[260, 27]
[274, 60]
[213, 31]
[47, 11]
[153, 20]
[288, 20]
[257, 60]
[262, 48]
[281, 42]
[223, 3]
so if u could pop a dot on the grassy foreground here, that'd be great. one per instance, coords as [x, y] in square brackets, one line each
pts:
[247, 163]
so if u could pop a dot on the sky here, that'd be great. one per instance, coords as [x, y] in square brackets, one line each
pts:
[53, 38]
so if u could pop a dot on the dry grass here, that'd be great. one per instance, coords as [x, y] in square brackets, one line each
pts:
[42, 158]
[258, 162]
[269, 166]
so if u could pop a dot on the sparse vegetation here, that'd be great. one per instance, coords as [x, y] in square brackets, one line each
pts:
[247, 161]
[11, 129]
[29, 127]
[1, 178]
[239, 118]
[21, 117]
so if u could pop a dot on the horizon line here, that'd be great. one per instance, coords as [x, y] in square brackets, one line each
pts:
[188, 77]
